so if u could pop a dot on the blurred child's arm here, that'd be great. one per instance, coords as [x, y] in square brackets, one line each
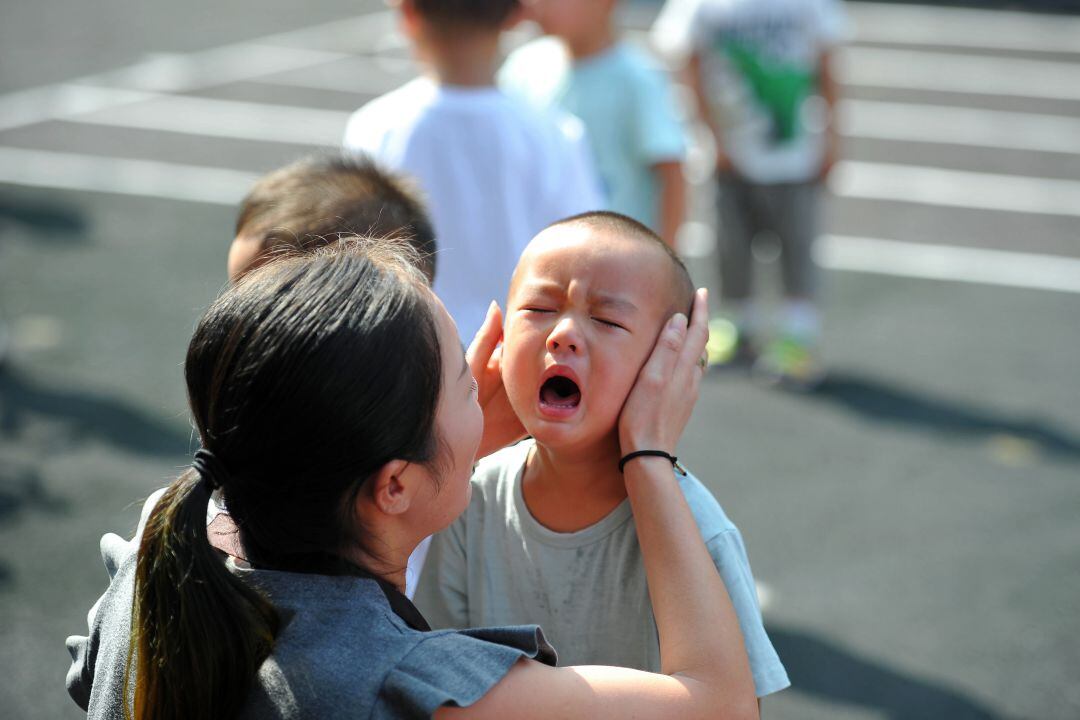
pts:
[671, 190]
[830, 92]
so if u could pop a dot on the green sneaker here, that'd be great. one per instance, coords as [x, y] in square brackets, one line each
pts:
[791, 362]
[727, 347]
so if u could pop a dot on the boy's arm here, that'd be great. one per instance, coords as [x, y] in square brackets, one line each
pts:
[661, 146]
[671, 187]
[729, 555]
[442, 594]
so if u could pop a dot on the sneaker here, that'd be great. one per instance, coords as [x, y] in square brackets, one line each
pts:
[727, 347]
[792, 363]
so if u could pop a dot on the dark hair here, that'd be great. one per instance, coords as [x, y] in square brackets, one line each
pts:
[317, 200]
[625, 226]
[475, 13]
[304, 378]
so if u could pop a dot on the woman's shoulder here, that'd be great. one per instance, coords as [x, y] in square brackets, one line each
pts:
[343, 652]
[339, 640]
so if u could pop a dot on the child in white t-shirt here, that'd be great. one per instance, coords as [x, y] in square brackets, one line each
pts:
[622, 96]
[493, 170]
[548, 535]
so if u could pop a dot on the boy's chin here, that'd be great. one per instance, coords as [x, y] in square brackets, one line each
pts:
[555, 436]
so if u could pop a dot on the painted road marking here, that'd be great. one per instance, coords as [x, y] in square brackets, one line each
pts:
[141, 178]
[948, 125]
[956, 73]
[951, 263]
[188, 72]
[236, 119]
[955, 188]
[964, 27]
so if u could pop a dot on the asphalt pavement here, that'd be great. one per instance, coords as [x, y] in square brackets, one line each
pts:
[912, 524]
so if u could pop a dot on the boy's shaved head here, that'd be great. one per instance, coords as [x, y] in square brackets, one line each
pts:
[589, 297]
[621, 226]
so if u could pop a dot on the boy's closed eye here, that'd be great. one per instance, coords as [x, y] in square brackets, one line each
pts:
[610, 324]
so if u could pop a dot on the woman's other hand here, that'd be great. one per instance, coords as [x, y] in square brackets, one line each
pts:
[501, 424]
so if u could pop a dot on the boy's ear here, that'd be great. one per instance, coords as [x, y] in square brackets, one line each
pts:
[245, 253]
[408, 14]
[391, 488]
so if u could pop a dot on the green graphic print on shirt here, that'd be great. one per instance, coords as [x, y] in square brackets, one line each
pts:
[780, 87]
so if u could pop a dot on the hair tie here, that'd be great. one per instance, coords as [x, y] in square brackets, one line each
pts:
[209, 467]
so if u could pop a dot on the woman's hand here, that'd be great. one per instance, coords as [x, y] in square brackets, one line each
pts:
[663, 397]
[501, 424]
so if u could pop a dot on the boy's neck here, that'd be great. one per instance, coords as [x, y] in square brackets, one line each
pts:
[567, 491]
[583, 48]
[468, 60]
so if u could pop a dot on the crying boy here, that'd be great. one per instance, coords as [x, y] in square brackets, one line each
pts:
[549, 537]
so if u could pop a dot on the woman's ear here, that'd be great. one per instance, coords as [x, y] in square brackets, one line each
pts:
[393, 487]
[519, 14]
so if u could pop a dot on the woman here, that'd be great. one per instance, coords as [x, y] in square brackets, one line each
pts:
[340, 423]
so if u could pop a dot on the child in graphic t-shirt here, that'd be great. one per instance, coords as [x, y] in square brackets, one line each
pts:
[760, 72]
[548, 536]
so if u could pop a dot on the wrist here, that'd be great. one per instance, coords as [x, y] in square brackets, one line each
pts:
[649, 455]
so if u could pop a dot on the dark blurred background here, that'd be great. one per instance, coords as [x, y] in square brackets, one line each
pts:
[913, 523]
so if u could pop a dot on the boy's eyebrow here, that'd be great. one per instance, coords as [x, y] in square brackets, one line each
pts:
[548, 288]
[614, 302]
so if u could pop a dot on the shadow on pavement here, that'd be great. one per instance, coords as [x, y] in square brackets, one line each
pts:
[882, 402]
[55, 222]
[831, 673]
[20, 490]
[86, 416]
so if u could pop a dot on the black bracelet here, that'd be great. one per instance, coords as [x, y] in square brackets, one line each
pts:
[652, 453]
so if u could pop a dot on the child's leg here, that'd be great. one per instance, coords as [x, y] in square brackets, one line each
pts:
[793, 357]
[739, 223]
[796, 223]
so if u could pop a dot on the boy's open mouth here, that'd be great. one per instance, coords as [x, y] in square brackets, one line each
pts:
[560, 393]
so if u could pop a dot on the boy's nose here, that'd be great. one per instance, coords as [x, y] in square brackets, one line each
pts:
[563, 337]
[554, 345]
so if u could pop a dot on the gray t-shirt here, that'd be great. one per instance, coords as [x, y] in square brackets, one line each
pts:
[497, 565]
[341, 653]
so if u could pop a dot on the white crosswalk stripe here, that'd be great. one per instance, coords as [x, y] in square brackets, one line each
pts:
[964, 28]
[956, 188]
[955, 73]
[122, 176]
[948, 125]
[944, 262]
[211, 117]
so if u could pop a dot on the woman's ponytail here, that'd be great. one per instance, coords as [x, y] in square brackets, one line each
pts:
[199, 633]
